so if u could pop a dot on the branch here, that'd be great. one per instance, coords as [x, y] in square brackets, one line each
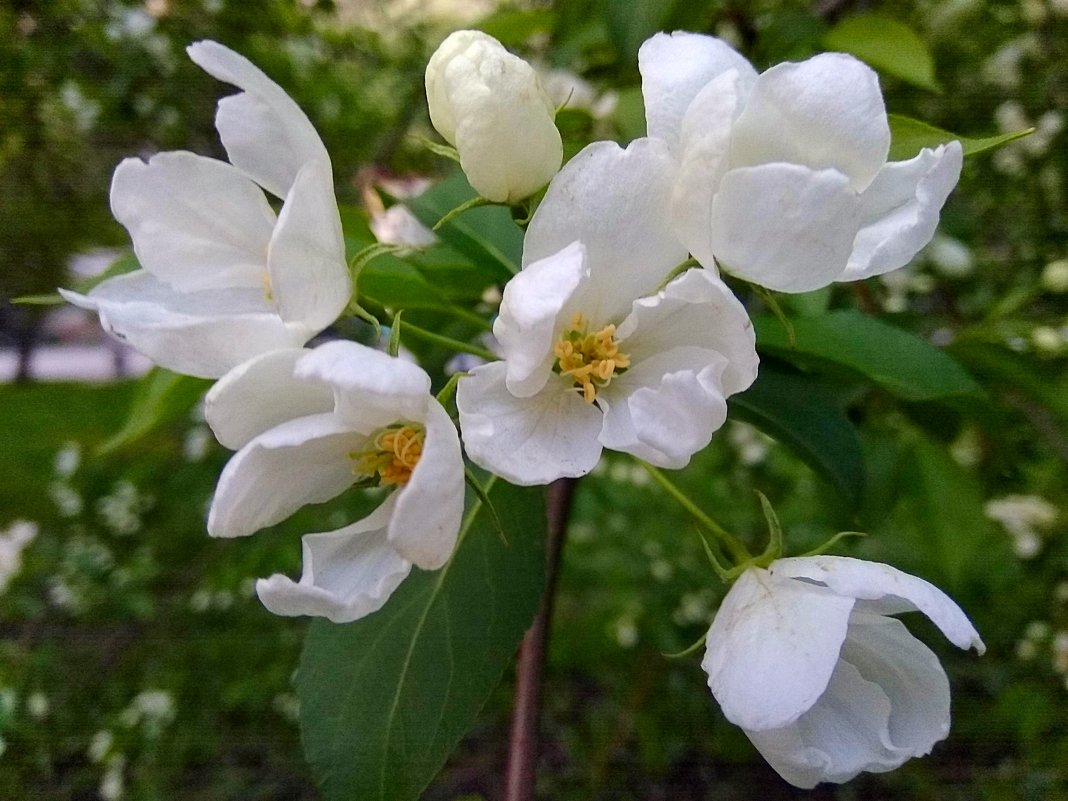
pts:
[519, 778]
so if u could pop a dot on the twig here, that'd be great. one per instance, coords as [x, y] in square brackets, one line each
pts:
[519, 777]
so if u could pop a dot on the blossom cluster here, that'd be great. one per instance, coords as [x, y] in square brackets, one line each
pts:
[617, 332]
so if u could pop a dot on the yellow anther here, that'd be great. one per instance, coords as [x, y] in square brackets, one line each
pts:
[393, 454]
[268, 290]
[591, 360]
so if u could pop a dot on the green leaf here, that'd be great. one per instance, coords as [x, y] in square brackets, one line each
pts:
[384, 700]
[485, 235]
[908, 137]
[899, 362]
[391, 281]
[631, 22]
[161, 397]
[802, 413]
[513, 27]
[952, 534]
[1017, 373]
[887, 45]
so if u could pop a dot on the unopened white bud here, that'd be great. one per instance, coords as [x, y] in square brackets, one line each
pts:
[490, 105]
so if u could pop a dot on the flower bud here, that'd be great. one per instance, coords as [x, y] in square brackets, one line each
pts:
[491, 107]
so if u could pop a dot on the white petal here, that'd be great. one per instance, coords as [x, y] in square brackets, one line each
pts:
[506, 135]
[885, 653]
[846, 732]
[674, 68]
[259, 394]
[532, 307]
[298, 462]
[783, 226]
[665, 408]
[348, 573]
[772, 648]
[699, 310]
[202, 333]
[527, 440]
[372, 388]
[265, 133]
[704, 159]
[899, 211]
[826, 112]
[430, 506]
[306, 261]
[888, 591]
[617, 203]
[196, 223]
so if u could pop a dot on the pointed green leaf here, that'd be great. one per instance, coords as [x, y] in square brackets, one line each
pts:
[384, 700]
[802, 413]
[908, 137]
[887, 45]
[485, 235]
[162, 396]
[899, 362]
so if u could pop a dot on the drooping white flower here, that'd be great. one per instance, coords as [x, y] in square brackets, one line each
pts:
[806, 659]
[311, 424]
[595, 354]
[223, 278]
[490, 105]
[783, 178]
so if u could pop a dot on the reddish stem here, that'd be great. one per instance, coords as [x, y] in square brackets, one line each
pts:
[520, 773]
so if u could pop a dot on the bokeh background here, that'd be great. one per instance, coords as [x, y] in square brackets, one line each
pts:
[135, 662]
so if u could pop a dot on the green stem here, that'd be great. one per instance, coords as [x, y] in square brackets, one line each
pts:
[733, 545]
[677, 271]
[449, 342]
[473, 203]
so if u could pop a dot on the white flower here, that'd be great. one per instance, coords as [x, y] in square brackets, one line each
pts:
[783, 178]
[490, 105]
[223, 277]
[593, 355]
[311, 424]
[805, 659]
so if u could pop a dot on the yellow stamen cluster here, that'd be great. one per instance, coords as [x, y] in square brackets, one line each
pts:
[590, 359]
[393, 454]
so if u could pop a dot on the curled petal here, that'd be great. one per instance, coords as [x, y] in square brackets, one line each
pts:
[899, 211]
[531, 440]
[347, 574]
[825, 113]
[533, 313]
[372, 389]
[308, 273]
[429, 508]
[665, 408]
[204, 333]
[296, 463]
[617, 203]
[265, 133]
[674, 68]
[697, 309]
[885, 590]
[196, 223]
[772, 648]
[845, 733]
[885, 653]
[259, 394]
[704, 159]
[784, 226]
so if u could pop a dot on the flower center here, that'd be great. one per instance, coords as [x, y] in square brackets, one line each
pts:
[591, 360]
[393, 455]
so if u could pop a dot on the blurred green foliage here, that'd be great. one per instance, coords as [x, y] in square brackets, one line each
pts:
[122, 596]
